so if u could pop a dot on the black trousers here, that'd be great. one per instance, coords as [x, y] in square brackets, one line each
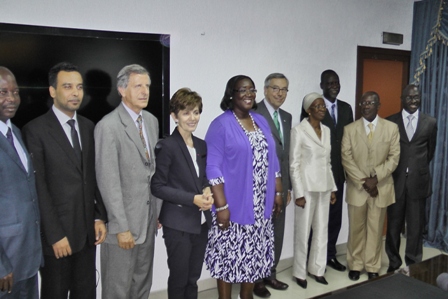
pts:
[411, 211]
[335, 222]
[185, 259]
[75, 273]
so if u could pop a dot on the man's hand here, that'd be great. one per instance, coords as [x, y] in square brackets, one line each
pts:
[100, 232]
[333, 198]
[204, 201]
[288, 198]
[374, 193]
[62, 248]
[126, 240]
[6, 283]
[369, 184]
[278, 205]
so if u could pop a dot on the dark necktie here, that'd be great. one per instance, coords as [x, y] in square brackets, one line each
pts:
[10, 138]
[75, 140]
[142, 137]
[333, 115]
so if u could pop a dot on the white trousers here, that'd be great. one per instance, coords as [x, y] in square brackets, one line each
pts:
[315, 216]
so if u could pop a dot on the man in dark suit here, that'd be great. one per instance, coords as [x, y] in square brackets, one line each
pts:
[275, 92]
[73, 215]
[412, 179]
[20, 246]
[338, 115]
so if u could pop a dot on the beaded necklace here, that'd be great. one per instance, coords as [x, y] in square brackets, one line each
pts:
[238, 120]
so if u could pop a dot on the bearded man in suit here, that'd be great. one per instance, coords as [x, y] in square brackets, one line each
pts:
[125, 163]
[418, 134]
[370, 153]
[275, 92]
[73, 216]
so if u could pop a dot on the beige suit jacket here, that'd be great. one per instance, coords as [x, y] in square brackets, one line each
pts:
[361, 159]
[310, 160]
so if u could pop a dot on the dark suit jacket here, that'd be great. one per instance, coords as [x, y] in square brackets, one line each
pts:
[345, 117]
[69, 199]
[20, 246]
[176, 183]
[415, 156]
[281, 149]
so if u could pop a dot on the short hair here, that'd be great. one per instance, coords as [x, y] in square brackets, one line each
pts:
[327, 73]
[372, 94]
[407, 88]
[183, 99]
[127, 71]
[268, 79]
[60, 67]
[226, 102]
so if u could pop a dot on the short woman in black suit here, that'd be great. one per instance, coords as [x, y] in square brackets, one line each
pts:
[181, 183]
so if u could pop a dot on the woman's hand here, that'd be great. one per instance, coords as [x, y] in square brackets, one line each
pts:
[223, 219]
[333, 198]
[278, 205]
[300, 202]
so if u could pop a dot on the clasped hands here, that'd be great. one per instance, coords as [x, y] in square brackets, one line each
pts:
[370, 186]
[205, 200]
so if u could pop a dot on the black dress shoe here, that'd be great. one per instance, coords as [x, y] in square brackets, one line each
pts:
[320, 279]
[392, 269]
[261, 291]
[335, 264]
[276, 284]
[301, 282]
[354, 275]
[372, 275]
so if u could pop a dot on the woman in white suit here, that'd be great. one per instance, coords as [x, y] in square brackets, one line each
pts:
[313, 186]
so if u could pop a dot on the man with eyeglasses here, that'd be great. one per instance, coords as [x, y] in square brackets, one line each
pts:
[20, 246]
[370, 153]
[275, 92]
[338, 115]
[412, 180]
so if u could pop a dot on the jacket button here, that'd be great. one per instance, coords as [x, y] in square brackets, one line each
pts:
[146, 163]
[147, 202]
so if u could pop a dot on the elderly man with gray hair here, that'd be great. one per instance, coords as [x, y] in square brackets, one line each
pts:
[125, 164]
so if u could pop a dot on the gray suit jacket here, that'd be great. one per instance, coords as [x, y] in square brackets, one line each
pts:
[124, 174]
[281, 149]
[20, 247]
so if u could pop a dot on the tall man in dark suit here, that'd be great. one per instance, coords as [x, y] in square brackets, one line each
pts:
[20, 246]
[125, 163]
[338, 115]
[412, 179]
[73, 215]
[275, 92]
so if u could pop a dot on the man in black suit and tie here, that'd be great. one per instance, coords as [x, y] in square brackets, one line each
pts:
[412, 179]
[338, 115]
[20, 247]
[275, 92]
[73, 215]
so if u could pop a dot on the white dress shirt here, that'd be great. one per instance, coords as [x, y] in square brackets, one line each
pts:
[63, 119]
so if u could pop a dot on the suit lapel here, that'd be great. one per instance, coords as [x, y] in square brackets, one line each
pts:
[5, 146]
[311, 133]
[421, 126]
[56, 131]
[28, 158]
[131, 130]
[361, 131]
[186, 154]
[261, 109]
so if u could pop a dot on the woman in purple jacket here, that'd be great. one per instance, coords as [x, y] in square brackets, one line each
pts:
[244, 172]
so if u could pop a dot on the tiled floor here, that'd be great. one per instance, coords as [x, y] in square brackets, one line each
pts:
[335, 279]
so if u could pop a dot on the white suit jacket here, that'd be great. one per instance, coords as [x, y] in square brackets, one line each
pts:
[310, 167]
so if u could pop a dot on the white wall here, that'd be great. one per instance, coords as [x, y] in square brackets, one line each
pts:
[213, 40]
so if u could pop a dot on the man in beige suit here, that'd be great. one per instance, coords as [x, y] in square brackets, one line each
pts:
[370, 153]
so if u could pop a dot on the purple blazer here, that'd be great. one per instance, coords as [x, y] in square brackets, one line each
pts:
[230, 156]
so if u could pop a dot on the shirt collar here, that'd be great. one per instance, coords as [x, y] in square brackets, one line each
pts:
[374, 122]
[405, 114]
[4, 126]
[133, 115]
[62, 117]
[329, 104]
[271, 109]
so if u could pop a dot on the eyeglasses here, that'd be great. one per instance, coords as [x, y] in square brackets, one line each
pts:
[412, 98]
[276, 89]
[318, 107]
[366, 103]
[4, 93]
[245, 91]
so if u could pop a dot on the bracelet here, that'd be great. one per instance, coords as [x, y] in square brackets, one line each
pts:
[225, 207]
[278, 193]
